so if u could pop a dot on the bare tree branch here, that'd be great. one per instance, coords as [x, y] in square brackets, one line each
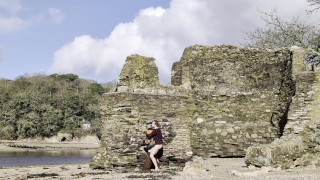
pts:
[280, 33]
[315, 4]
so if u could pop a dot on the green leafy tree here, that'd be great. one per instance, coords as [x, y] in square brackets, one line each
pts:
[42, 106]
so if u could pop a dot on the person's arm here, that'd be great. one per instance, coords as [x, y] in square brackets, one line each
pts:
[154, 132]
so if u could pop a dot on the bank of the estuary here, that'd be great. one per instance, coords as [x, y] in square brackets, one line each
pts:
[87, 142]
[213, 168]
[29, 146]
[39, 152]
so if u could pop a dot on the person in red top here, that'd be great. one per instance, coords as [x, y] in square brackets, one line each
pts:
[157, 136]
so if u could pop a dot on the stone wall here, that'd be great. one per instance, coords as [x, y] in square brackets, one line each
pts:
[236, 91]
[125, 116]
[138, 73]
[300, 143]
[222, 100]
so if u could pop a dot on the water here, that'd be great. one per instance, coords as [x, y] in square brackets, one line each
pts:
[29, 158]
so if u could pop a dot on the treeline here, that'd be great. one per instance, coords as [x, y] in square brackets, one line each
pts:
[42, 106]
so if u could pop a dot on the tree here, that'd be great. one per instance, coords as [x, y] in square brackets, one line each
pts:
[280, 33]
[42, 106]
[315, 4]
[96, 88]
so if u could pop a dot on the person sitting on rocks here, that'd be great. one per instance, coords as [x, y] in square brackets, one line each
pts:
[157, 136]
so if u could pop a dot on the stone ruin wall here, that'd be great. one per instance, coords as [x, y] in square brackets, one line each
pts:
[300, 143]
[241, 96]
[138, 73]
[139, 98]
[125, 116]
[222, 100]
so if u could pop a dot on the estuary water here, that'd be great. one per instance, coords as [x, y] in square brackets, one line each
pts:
[29, 158]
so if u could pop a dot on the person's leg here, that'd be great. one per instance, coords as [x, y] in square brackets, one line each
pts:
[158, 156]
[154, 151]
[158, 163]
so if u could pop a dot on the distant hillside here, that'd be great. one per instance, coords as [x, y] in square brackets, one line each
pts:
[42, 106]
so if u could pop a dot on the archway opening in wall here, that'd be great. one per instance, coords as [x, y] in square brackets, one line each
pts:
[63, 139]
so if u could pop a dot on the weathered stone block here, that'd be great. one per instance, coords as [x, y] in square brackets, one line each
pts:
[274, 154]
[138, 72]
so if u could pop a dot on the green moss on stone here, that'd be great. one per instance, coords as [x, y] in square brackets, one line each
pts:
[192, 107]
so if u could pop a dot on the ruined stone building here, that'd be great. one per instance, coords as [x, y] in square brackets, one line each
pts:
[223, 101]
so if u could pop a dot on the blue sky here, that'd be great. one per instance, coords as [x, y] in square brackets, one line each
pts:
[92, 38]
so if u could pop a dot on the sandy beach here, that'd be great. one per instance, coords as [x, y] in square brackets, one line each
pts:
[213, 168]
[199, 168]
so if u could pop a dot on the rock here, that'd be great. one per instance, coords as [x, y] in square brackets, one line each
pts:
[194, 167]
[200, 120]
[256, 173]
[275, 154]
[61, 137]
[22, 177]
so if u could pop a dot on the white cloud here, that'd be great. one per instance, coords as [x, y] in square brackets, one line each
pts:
[56, 15]
[10, 6]
[12, 24]
[9, 22]
[164, 33]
